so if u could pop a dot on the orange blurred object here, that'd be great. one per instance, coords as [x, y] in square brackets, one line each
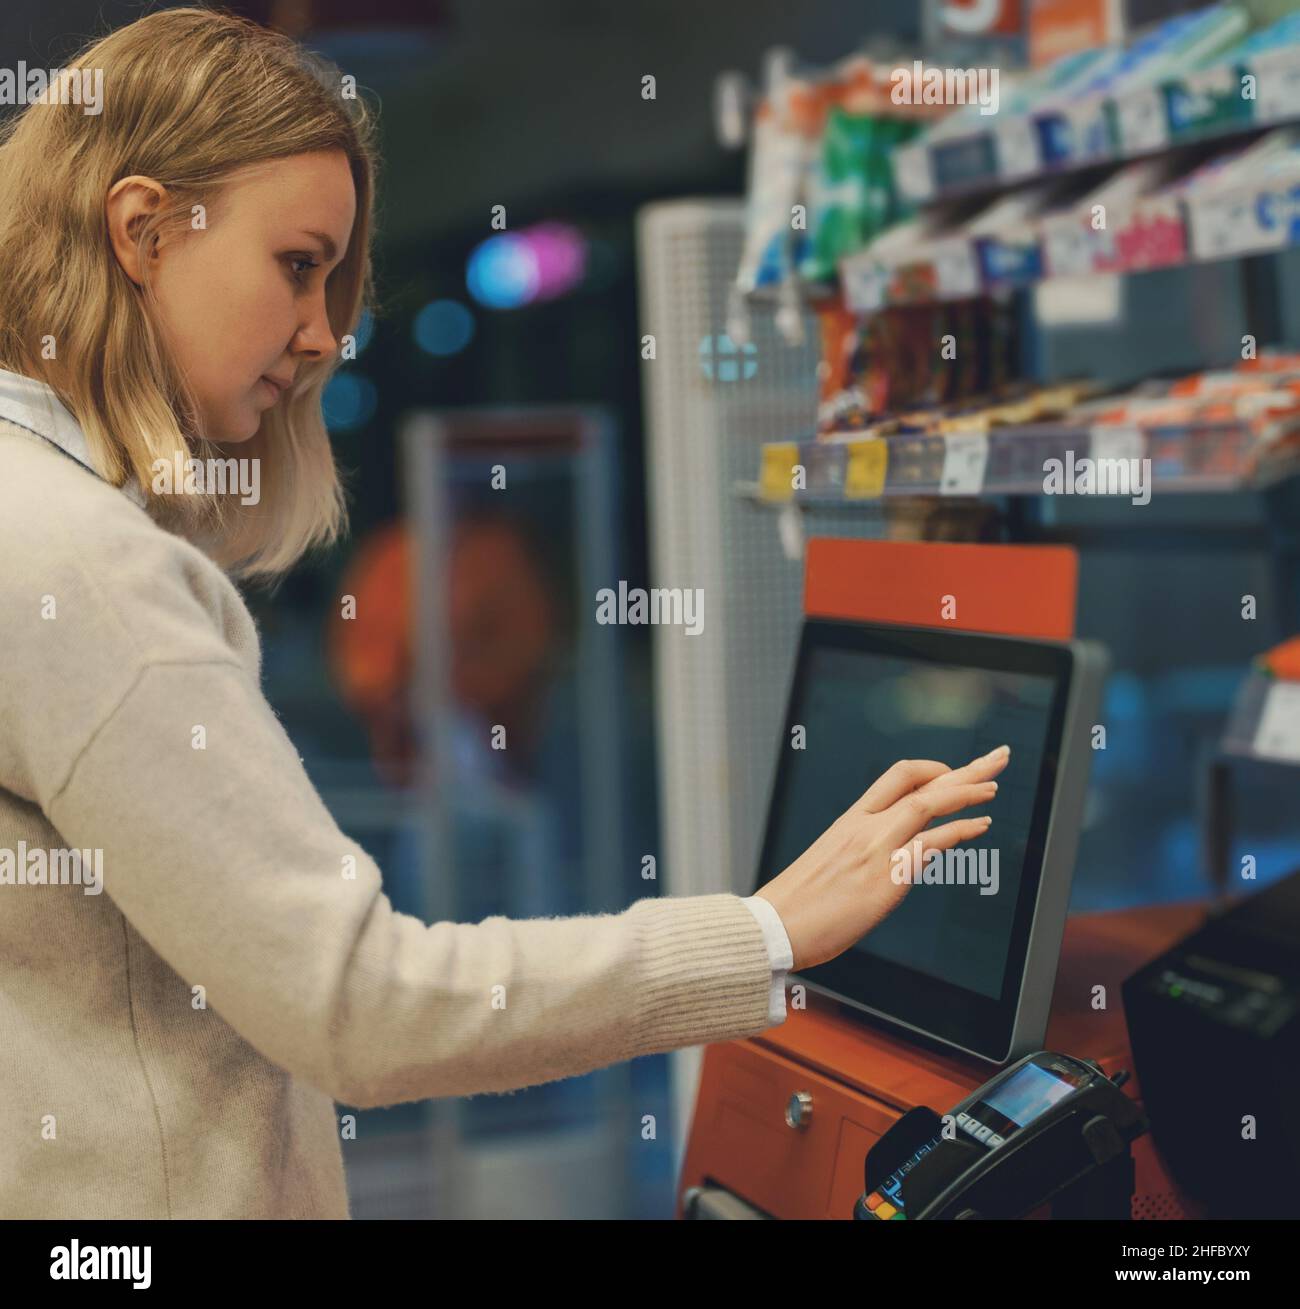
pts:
[501, 616]
[501, 623]
[370, 653]
[1284, 660]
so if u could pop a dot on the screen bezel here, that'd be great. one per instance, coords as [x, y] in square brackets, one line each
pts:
[896, 995]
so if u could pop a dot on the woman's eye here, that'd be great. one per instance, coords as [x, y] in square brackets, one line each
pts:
[306, 265]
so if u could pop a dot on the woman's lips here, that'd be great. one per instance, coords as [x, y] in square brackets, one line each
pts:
[274, 387]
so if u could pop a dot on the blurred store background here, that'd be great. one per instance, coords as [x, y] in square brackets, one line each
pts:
[663, 210]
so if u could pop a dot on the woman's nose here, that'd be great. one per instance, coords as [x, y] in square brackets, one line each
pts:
[314, 337]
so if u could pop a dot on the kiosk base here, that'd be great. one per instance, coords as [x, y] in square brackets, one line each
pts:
[862, 1079]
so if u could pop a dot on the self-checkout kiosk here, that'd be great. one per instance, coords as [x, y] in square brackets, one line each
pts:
[970, 1057]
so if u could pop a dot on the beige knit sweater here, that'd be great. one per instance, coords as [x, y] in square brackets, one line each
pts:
[173, 1047]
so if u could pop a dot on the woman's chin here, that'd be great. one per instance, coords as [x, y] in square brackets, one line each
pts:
[237, 428]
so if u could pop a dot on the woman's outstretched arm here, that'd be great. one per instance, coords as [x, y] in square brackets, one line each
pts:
[119, 641]
[229, 865]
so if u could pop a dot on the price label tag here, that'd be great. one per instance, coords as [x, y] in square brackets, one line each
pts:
[1278, 733]
[913, 172]
[863, 282]
[965, 456]
[1143, 120]
[1116, 442]
[864, 475]
[1018, 152]
[776, 480]
[1277, 87]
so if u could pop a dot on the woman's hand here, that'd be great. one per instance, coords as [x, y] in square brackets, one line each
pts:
[840, 887]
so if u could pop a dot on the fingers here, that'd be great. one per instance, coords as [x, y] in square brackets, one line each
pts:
[904, 777]
[947, 835]
[982, 769]
[910, 775]
[910, 814]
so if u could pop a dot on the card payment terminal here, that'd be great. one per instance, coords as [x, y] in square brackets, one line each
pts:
[1049, 1127]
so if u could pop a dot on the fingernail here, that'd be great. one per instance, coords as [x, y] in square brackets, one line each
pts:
[994, 785]
[1002, 749]
[987, 822]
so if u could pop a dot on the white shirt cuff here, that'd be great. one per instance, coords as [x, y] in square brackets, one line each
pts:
[778, 951]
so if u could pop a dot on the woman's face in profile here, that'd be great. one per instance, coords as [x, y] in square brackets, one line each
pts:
[242, 300]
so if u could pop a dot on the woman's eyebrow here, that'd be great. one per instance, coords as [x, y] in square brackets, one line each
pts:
[327, 243]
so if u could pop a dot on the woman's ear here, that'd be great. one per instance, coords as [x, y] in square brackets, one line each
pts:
[130, 202]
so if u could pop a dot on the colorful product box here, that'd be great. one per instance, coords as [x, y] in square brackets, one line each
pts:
[1246, 202]
[1207, 101]
[1009, 262]
[1069, 245]
[1075, 134]
[1277, 84]
[1153, 234]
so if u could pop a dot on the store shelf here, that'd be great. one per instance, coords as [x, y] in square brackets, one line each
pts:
[855, 470]
[1201, 107]
[1160, 231]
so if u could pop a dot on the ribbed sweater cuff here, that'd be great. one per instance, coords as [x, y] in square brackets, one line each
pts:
[705, 972]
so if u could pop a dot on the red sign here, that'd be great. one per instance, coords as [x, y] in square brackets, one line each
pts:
[981, 17]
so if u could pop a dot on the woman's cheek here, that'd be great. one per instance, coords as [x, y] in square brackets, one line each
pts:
[279, 321]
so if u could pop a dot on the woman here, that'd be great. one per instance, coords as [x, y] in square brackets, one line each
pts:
[176, 275]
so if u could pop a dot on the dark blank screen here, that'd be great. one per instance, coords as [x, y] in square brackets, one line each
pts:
[862, 712]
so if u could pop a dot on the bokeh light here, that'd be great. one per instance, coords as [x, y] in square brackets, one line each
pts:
[443, 327]
[348, 401]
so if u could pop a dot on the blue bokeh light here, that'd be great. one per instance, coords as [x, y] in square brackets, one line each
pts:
[348, 401]
[502, 272]
[443, 327]
[365, 329]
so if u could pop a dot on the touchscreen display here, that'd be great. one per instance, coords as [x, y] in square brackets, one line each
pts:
[862, 711]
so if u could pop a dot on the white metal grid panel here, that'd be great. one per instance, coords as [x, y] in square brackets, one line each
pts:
[720, 696]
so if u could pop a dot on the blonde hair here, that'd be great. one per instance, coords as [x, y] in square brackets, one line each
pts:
[190, 96]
